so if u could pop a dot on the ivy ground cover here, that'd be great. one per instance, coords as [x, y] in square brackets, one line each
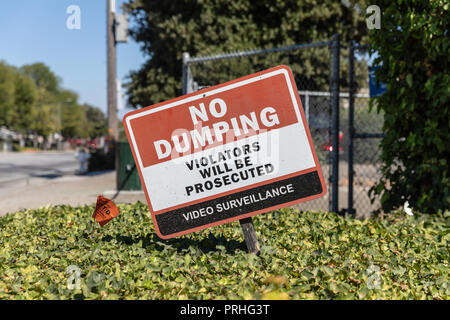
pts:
[50, 253]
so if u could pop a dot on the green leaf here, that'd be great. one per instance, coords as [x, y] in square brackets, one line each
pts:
[309, 255]
[409, 80]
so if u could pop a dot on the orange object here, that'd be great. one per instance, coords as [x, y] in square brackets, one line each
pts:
[105, 211]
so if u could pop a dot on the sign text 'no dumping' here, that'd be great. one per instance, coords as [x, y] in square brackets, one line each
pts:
[225, 153]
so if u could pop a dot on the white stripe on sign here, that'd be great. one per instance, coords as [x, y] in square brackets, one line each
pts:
[175, 182]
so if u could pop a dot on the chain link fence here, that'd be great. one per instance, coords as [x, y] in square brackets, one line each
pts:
[310, 64]
[364, 127]
[347, 148]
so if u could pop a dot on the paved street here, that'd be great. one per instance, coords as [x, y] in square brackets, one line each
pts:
[72, 190]
[33, 180]
[15, 167]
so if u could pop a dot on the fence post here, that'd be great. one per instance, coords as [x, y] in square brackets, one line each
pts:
[307, 106]
[351, 128]
[187, 75]
[335, 122]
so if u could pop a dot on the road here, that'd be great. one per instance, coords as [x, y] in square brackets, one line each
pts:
[33, 180]
[15, 167]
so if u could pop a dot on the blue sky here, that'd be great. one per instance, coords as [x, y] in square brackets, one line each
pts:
[35, 31]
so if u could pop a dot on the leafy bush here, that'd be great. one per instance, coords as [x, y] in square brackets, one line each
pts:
[412, 47]
[304, 256]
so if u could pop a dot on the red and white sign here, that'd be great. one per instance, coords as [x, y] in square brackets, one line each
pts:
[224, 153]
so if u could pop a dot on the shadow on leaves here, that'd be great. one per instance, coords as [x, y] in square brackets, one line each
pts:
[182, 244]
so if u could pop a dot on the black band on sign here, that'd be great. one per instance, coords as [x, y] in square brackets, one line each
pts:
[240, 203]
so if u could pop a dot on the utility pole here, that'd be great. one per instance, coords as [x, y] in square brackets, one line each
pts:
[113, 129]
[117, 32]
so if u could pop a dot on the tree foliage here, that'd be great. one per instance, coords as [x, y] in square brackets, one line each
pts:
[413, 54]
[25, 95]
[33, 101]
[6, 93]
[96, 120]
[73, 116]
[46, 118]
[42, 76]
[166, 29]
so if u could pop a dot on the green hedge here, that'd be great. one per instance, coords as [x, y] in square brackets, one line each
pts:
[412, 50]
[305, 255]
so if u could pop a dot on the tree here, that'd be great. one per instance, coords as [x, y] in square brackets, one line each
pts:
[166, 29]
[73, 117]
[82, 121]
[42, 76]
[32, 101]
[413, 58]
[45, 114]
[45, 108]
[6, 94]
[25, 95]
[97, 122]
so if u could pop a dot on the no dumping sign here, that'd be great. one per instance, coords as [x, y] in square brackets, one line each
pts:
[224, 153]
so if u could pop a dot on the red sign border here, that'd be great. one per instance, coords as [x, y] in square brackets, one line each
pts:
[250, 214]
